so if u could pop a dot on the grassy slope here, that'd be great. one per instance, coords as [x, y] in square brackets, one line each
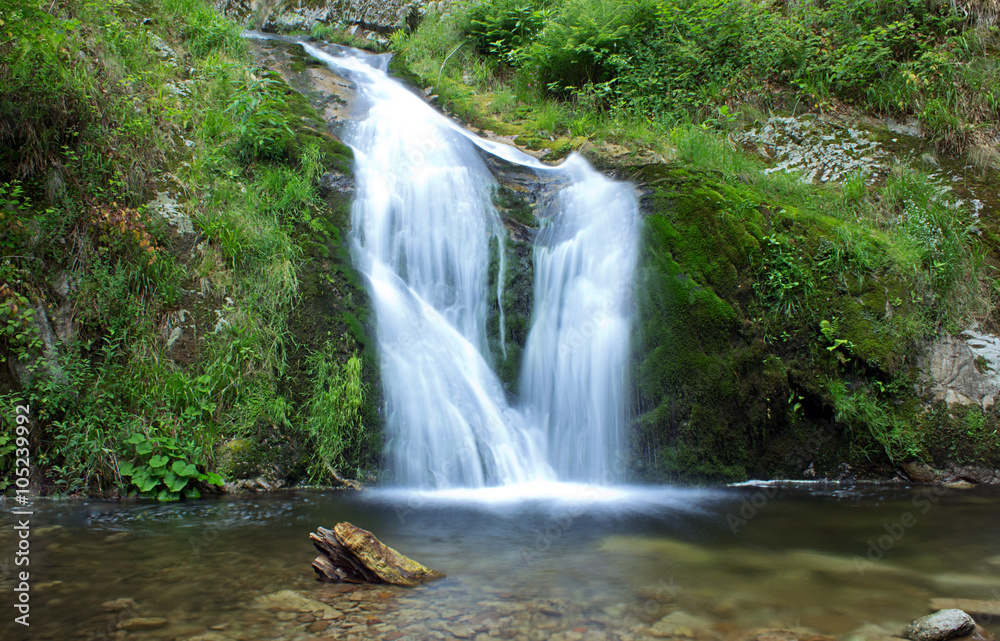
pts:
[97, 115]
[779, 322]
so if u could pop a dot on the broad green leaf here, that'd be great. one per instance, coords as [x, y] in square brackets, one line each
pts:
[174, 483]
[215, 479]
[144, 448]
[164, 495]
[158, 461]
[126, 469]
[135, 439]
[149, 484]
[192, 493]
[188, 470]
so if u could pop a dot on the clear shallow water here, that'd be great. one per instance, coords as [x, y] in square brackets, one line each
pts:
[564, 563]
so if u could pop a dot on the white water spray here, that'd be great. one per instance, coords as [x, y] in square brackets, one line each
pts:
[423, 225]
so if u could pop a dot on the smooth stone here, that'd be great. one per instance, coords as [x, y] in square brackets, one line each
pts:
[681, 624]
[48, 584]
[979, 634]
[120, 604]
[142, 623]
[47, 529]
[293, 602]
[941, 626]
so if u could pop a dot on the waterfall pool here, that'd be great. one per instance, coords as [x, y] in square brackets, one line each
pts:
[560, 562]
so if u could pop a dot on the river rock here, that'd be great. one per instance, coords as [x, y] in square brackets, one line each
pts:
[117, 605]
[874, 632]
[208, 636]
[919, 472]
[941, 626]
[289, 601]
[142, 623]
[682, 624]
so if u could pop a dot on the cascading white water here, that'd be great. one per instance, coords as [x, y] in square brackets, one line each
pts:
[573, 373]
[423, 223]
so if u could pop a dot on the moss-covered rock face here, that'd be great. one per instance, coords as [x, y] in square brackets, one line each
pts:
[708, 396]
[510, 302]
[771, 339]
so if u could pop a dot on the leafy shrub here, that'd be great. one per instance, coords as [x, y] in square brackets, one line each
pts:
[163, 469]
[502, 27]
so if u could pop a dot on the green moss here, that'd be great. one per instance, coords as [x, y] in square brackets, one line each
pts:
[732, 371]
[517, 305]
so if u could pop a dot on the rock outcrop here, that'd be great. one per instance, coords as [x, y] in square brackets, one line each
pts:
[380, 16]
[963, 370]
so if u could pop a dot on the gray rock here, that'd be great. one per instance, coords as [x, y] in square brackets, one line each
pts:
[963, 370]
[941, 626]
[166, 206]
[920, 473]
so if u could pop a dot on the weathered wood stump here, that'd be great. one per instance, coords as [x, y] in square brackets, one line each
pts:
[350, 554]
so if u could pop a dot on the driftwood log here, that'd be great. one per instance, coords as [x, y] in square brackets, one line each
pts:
[350, 554]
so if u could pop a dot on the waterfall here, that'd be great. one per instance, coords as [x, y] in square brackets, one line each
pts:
[573, 374]
[423, 222]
